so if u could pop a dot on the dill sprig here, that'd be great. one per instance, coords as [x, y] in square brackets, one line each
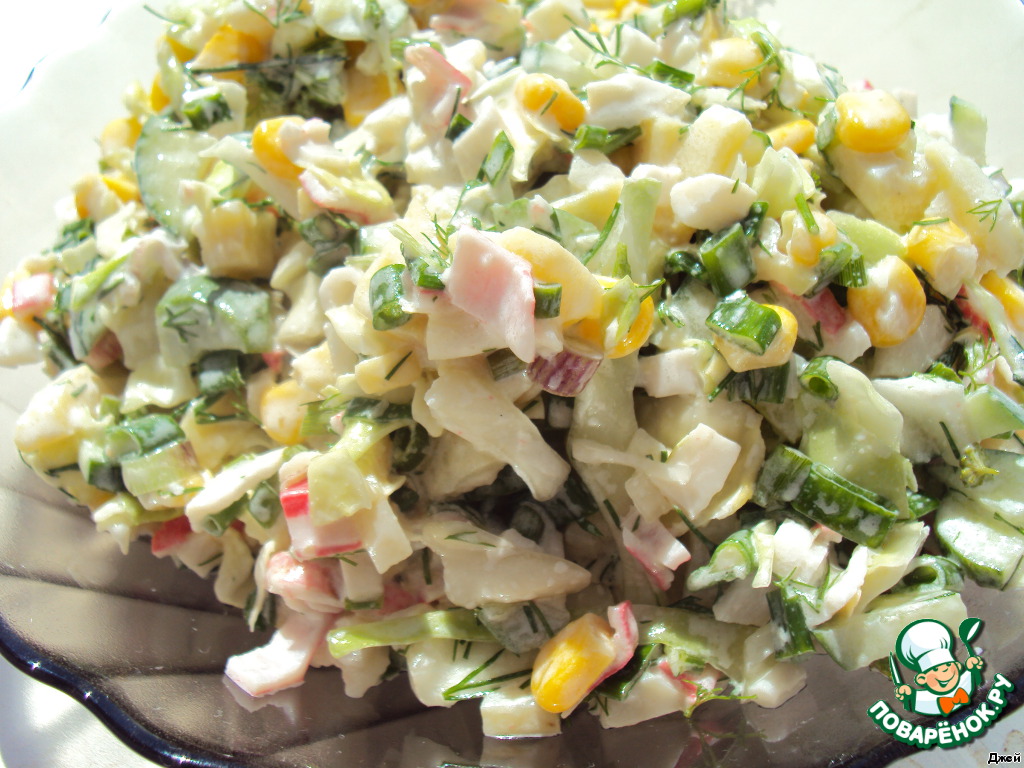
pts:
[611, 55]
[987, 210]
[284, 12]
[469, 687]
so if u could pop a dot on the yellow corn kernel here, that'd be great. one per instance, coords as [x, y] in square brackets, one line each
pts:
[119, 133]
[638, 332]
[180, 51]
[798, 135]
[778, 352]
[94, 199]
[944, 251]
[158, 98]
[591, 330]
[228, 46]
[7, 296]
[871, 121]
[125, 189]
[281, 411]
[571, 663]
[1010, 295]
[545, 94]
[621, 5]
[732, 63]
[363, 94]
[266, 145]
[891, 305]
[803, 245]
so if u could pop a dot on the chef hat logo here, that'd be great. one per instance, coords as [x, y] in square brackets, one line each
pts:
[925, 644]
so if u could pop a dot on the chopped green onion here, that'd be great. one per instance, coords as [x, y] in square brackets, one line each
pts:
[814, 378]
[528, 521]
[826, 133]
[685, 262]
[426, 275]
[726, 257]
[805, 213]
[87, 285]
[218, 522]
[761, 385]
[940, 370]
[458, 124]
[618, 685]
[841, 264]
[409, 448]
[265, 504]
[426, 264]
[376, 411]
[317, 418]
[744, 322]
[406, 499]
[498, 160]
[97, 469]
[786, 608]
[204, 108]
[605, 232]
[387, 290]
[678, 9]
[142, 435]
[74, 233]
[373, 410]
[219, 371]
[596, 137]
[85, 329]
[664, 73]
[334, 238]
[504, 363]
[820, 494]
[547, 300]
[453, 624]
[735, 558]
[920, 504]
[755, 217]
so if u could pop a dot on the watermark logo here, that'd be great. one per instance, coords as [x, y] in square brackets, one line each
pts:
[943, 686]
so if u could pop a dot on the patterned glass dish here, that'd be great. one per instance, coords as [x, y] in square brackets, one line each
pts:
[143, 644]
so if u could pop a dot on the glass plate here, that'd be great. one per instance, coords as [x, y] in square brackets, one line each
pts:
[143, 644]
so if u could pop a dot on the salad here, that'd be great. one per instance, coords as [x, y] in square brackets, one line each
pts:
[562, 356]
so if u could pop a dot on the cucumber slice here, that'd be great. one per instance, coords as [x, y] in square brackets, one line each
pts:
[999, 493]
[166, 154]
[990, 412]
[856, 641]
[969, 128]
[989, 549]
[166, 472]
[875, 241]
